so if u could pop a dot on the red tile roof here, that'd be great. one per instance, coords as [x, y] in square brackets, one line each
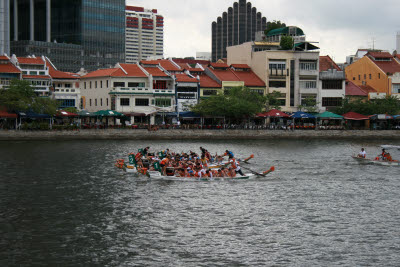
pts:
[30, 61]
[156, 72]
[36, 77]
[388, 66]
[101, 73]
[327, 63]
[166, 64]
[56, 74]
[219, 65]
[249, 78]
[207, 82]
[9, 68]
[355, 90]
[380, 54]
[240, 66]
[195, 70]
[133, 70]
[184, 65]
[4, 58]
[191, 61]
[185, 78]
[398, 56]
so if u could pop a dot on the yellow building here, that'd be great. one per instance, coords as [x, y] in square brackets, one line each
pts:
[379, 70]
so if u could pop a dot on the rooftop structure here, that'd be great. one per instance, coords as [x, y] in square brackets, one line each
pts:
[144, 35]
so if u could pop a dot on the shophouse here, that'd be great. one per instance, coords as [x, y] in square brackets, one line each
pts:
[294, 73]
[34, 70]
[8, 72]
[332, 81]
[379, 70]
[65, 87]
[187, 91]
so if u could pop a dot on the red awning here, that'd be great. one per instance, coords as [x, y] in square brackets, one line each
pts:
[355, 116]
[5, 114]
[63, 113]
[274, 113]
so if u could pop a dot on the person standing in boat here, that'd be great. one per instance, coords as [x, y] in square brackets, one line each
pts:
[235, 165]
[362, 153]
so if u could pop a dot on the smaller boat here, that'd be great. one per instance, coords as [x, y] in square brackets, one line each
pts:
[377, 161]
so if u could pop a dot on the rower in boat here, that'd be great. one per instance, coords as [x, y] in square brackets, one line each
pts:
[235, 165]
[362, 153]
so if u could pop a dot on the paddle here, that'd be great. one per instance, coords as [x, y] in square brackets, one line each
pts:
[260, 174]
[249, 158]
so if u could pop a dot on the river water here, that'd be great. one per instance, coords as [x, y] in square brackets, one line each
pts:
[65, 204]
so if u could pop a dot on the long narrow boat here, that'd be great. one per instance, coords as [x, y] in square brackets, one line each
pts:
[154, 175]
[377, 161]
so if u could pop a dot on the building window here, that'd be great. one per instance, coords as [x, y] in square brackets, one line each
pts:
[354, 78]
[396, 88]
[209, 92]
[331, 101]
[160, 85]
[90, 85]
[67, 85]
[279, 65]
[258, 91]
[359, 77]
[308, 65]
[142, 102]
[95, 84]
[101, 101]
[365, 76]
[133, 85]
[101, 84]
[277, 84]
[84, 85]
[370, 76]
[308, 84]
[163, 102]
[95, 102]
[332, 84]
[90, 102]
[379, 75]
[124, 101]
[119, 84]
[66, 103]
[107, 83]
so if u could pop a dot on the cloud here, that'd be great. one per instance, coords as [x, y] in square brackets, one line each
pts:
[340, 27]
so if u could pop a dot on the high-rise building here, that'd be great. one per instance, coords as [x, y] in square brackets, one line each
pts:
[73, 33]
[4, 27]
[144, 34]
[237, 26]
[398, 42]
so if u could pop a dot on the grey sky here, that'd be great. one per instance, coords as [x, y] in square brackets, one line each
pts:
[340, 26]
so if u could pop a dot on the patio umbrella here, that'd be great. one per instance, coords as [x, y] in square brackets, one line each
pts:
[108, 113]
[328, 115]
[355, 116]
[85, 113]
[274, 113]
[302, 115]
[66, 114]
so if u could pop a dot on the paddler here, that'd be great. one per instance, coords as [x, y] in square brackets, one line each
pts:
[229, 154]
[164, 164]
[235, 165]
[362, 153]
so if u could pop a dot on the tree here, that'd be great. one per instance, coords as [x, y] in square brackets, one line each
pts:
[21, 96]
[309, 104]
[388, 105]
[237, 103]
[274, 25]
[18, 96]
[71, 109]
[272, 100]
[287, 42]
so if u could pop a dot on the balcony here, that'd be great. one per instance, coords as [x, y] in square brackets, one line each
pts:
[278, 73]
[308, 68]
[308, 87]
[131, 91]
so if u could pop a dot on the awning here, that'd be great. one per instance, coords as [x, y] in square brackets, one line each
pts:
[85, 113]
[355, 116]
[302, 115]
[274, 113]
[189, 114]
[63, 113]
[108, 113]
[329, 115]
[33, 115]
[5, 114]
[381, 117]
[133, 114]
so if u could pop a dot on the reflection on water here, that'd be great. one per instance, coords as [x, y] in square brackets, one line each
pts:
[64, 204]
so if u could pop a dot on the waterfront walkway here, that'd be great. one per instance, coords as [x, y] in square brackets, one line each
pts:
[122, 134]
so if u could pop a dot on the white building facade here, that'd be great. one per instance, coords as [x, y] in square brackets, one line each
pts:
[144, 34]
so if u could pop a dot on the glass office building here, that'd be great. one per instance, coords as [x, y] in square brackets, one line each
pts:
[237, 26]
[74, 34]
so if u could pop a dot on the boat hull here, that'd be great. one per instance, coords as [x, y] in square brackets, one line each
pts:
[377, 162]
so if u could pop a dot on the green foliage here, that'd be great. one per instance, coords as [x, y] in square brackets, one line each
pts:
[71, 109]
[21, 96]
[287, 43]
[309, 105]
[272, 100]
[237, 103]
[274, 25]
[18, 96]
[389, 105]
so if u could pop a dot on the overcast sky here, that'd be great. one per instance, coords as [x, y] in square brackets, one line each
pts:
[340, 26]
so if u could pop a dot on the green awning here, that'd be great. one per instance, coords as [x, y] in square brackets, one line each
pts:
[328, 115]
[108, 113]
[285, 31]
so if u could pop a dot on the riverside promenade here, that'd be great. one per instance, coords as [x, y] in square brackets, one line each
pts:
[123, 134]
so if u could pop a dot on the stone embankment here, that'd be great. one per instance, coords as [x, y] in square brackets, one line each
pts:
[120, 134]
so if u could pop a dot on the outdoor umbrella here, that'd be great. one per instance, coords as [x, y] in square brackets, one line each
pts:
[328, 115]
[63, 113]
[355, 116]
[302, 115]
[109, 113]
